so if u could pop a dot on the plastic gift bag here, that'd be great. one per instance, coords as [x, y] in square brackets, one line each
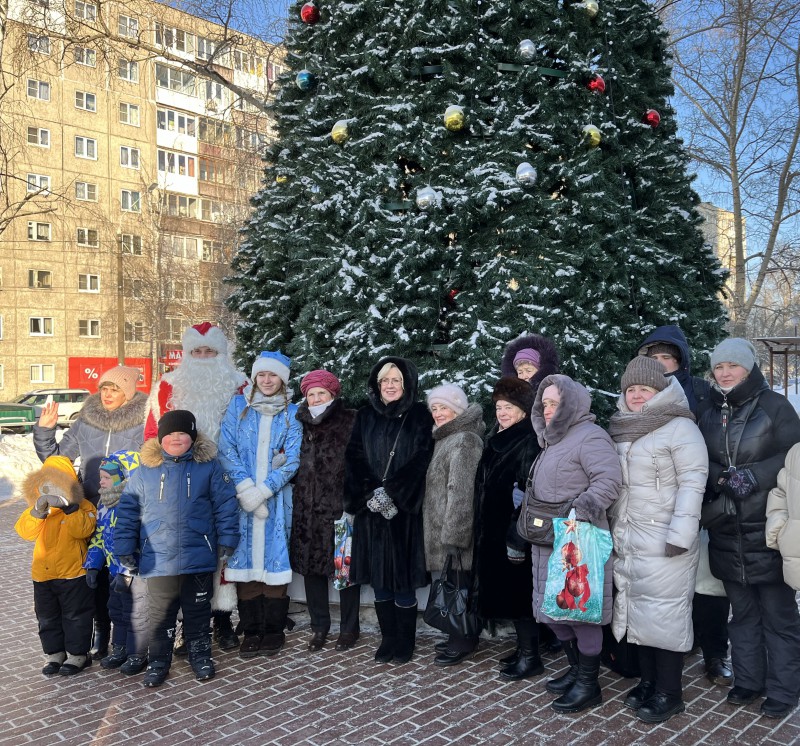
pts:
[575, 571]
[342, 547]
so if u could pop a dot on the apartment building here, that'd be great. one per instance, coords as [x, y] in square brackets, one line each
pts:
[131, 135]
[718, 231]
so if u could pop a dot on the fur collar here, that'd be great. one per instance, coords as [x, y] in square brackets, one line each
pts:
[543, 345]
[337, 405]
[203, 450]
[129, 415]
[32, 486]
[469, 421]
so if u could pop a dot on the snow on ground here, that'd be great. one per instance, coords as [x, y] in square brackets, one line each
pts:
[17, 459]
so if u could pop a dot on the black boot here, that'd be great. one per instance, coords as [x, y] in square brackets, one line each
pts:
[510, 659]
[224, 633]
[156, 673]
[406, 633]
[251, 622]
[102, 636]
[275, 611]
[200, 658]
[387, 621]
[585, 692]
[561, 684]
[528, 662]
[117, 657]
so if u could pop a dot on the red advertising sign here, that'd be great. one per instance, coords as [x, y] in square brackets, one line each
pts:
[85, 372]
[172, 357]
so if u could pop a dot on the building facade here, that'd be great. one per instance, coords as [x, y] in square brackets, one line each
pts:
[131, 147]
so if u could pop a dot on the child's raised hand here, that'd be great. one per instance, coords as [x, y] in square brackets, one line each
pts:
[41, 508]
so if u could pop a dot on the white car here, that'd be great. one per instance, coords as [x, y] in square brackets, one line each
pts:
[69, 402]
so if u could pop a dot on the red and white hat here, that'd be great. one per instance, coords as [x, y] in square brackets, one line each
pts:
[204, 335]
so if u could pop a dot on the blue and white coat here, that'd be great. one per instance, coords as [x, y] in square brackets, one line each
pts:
[248, 444]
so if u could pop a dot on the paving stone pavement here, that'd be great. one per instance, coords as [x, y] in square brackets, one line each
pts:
[328, 698]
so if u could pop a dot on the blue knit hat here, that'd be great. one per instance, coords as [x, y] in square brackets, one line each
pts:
[274, 362]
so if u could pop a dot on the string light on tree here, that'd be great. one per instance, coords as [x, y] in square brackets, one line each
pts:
[309, 13]
[454, 118]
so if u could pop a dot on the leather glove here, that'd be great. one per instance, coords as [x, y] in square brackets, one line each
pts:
[515, 556]
[91, 578]
[278, 460]
[740, 484]
[517, 495]
[262, 512]
[41, 508]
[225, 553]
[673, 551]
[348, 517]
[128, 561]
[250, 498]
[121, 583]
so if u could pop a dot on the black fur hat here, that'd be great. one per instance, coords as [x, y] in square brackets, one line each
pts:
[515, 390]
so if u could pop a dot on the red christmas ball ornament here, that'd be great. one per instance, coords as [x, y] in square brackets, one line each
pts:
[309, 13]
[652, 117]
[452, 294]
[597, 84]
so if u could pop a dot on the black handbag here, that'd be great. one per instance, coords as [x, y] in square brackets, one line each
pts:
[448, 605]
[535, 523]
[717, 512]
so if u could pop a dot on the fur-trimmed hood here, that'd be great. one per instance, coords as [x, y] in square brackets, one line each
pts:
[546, 349]
[574, 407]
[129, 415]
[48, 480]
[410, 383]
[204, 449]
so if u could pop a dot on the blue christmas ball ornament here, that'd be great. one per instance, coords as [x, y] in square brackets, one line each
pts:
[305, 80]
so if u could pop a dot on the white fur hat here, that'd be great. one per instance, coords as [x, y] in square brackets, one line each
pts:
[204, 335]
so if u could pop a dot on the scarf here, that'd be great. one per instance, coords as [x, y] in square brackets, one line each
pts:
[318, 410]
[270, 405]
[626, 427]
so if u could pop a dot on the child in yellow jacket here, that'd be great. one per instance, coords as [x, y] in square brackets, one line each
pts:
[61, 521]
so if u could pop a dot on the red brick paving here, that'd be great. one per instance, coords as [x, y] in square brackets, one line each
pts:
[328, 698]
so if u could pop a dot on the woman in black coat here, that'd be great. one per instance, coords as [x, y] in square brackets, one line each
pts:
[317, 503]
[504, 579]
[385, 493]
[748, 430]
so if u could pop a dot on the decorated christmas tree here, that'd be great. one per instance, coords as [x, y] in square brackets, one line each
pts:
[449, 175]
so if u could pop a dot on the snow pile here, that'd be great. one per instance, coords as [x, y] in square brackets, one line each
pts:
[17, 459]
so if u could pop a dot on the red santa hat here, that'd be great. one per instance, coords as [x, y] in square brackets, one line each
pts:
[204, 335]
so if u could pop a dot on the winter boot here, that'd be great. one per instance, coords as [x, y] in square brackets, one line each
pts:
[102, 636]
[387, 621]
[156, 673]
[251, 622]
[54, 661]
[561, 684]
[74, 664]
[510, 659]
[224, 633]
[200, 658]
[406, 617]
[135, 664]
[585, 692]
[528, 662]
[117, 657]
[275, 612]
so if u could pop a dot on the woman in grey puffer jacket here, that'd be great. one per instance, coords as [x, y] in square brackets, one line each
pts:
[578, 467]
[655, 525]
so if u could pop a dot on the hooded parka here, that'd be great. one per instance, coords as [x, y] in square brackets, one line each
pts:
[663, 480]
[783, 518]
[548, 363]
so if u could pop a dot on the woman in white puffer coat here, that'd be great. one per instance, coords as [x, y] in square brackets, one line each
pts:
[655, 526]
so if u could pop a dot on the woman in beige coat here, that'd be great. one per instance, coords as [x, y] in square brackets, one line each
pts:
[655, 526]
[783, 518]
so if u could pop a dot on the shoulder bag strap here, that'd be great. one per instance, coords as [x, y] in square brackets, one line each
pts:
[394, 446]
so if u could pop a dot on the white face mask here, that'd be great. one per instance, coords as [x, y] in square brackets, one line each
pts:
[318, 409]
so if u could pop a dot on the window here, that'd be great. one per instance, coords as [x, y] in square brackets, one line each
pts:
[85, 191]
[128, 156]
[174, 329]
[40, 326]
[86, 101]
[131, 244]
[176, 80]
[181, 206]
[211, 170]
[174, 38]
[131, 201]
[38, 231]
[173, 121]
[88, 327]
[128, 70]
[39, 137]
[38, 183]
[180, 290]
[215, 132]
[129, 114]
[212, 251]
[182, 247]
[41, 373]
[216, 95]
[38, 89]
[85, 147]
[85, 11]
[128, 27]
[210, 289]
[85, 56]
[88, 283]
[249, 140]
[88, 237]
[134, 331]
[176, 163]
[39, 44]
[40, 279]
[249, 63]
[132, 288]
[211, 209]
[205, 48]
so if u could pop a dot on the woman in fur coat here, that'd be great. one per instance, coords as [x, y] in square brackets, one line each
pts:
[317, 497]
[385, 465]
[656, 530]
[449, 511]
[504, 572]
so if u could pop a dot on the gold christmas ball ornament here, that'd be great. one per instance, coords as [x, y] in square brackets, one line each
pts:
[454, 118]
[340, 133]
[592, 136]
[591, 7]
[281, 179]
[427, 198]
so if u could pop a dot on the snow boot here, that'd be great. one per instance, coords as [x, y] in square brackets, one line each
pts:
[528, 662]
[224, 634]
[561, 684]
[585, 692]
[116, 658]
[251, 621]
[405, 641]
[275, 611]
[200, 658]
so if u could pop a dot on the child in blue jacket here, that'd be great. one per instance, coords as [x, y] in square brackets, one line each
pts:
[179, 512]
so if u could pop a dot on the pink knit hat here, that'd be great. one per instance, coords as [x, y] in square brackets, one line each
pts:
[320, 379]
[123, 376]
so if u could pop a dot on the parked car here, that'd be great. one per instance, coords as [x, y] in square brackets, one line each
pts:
[69, 402]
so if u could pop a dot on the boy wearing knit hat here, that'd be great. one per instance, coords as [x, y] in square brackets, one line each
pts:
[181, 488]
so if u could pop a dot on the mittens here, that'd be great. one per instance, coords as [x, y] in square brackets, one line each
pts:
[250, 498]
[517, 495]
[278, 460]
[224, 553]
[41, 508]
[670, 550]
[121, 583]
[740, 484]
[262, 512]
[515, 556]
[380, 502]
[128, 561]
[91, 578]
